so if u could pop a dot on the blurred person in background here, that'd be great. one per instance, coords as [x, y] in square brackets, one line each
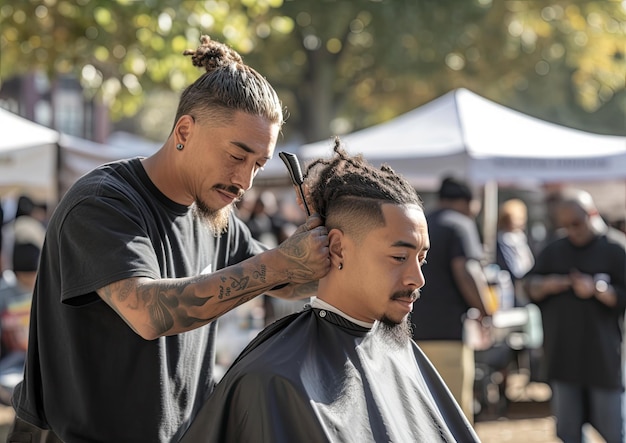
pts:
[455, 283]
[15, 302]
[27, 206]
[265, 222]
[2, 265]
[550, 222]
[142, 256]
[597, 221]
[345, 368]
[268, 225]
[24, 205]
[578, 282]
[513, 253]
[619, 224]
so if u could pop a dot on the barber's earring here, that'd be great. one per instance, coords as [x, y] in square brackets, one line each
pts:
[340, 266]
[180, 146]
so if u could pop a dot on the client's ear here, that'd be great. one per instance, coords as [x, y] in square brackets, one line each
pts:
[335, 239]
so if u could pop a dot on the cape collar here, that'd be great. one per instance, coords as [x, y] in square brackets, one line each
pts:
[316, 303]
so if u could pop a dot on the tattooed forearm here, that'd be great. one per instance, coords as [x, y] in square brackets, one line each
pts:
[154, 308]
[260, 274]
[298, 291]
[160, 306]
[161, 317]
[229, 287]
[239, 284]
[305, 290]
[296, 249]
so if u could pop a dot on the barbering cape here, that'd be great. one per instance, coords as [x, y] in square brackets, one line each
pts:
[316, 377]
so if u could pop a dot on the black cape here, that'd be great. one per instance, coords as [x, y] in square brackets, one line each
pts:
[316, 377]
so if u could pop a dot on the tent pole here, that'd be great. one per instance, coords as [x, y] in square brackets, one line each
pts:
[490, 219]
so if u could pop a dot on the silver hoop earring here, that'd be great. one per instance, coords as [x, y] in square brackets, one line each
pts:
[180, 146]
[340, 266]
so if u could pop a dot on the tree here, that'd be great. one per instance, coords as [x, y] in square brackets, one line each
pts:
[349, 64]
[119, 49]
[341, 65]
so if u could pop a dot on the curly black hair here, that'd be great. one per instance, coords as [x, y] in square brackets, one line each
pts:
[348, 191]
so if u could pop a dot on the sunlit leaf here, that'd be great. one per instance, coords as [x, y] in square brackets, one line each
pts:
[339, 64]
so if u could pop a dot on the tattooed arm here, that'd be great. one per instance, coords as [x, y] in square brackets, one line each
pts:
[295, 292]
[155, 308]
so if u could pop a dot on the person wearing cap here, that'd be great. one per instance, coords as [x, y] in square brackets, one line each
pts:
[579, 284]
[455, 283]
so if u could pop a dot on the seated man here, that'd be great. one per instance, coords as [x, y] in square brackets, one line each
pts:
[345, 368]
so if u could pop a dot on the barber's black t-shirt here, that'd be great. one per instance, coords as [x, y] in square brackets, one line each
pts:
[88, 375]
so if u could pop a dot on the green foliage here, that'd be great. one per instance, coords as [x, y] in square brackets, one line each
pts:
[340, 65]
[350, 64]
[120, 49]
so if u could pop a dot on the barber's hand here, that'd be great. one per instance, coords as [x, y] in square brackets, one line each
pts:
[306, 251]
[582, 284]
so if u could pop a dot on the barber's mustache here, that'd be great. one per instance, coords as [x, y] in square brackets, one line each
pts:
[231, 190]
[407, 294]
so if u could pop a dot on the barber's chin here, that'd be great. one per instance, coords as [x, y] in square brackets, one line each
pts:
[215, 219]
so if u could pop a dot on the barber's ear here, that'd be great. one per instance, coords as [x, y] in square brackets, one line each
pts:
[335, 239]
[183, 128]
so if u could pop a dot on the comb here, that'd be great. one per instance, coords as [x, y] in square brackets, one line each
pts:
[295, 172]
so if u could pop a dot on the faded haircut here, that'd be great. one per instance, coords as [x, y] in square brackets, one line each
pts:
[348, 192]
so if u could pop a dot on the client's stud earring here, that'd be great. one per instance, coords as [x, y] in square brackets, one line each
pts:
[180, 146]
[340, 266]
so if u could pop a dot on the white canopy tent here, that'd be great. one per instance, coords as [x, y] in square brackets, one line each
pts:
[79, 156]
[43, 163]
[466, 135]
[28, 157]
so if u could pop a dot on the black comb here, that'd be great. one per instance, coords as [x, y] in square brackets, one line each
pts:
[293, 166]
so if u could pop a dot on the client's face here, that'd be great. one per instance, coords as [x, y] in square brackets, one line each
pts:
[385, 268]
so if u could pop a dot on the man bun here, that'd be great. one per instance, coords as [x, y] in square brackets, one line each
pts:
[212, 54]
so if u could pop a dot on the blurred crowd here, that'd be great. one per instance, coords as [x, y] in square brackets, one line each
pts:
[487, 323]
[23, 231]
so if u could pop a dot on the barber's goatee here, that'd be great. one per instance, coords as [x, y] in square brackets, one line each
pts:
[216, 220]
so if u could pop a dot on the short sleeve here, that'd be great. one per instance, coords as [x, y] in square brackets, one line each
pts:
[102, 240]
